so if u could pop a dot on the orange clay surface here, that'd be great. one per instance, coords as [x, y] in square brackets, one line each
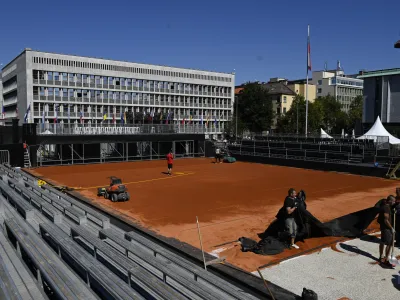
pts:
[230, 200]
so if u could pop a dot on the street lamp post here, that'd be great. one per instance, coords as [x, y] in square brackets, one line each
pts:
[236, 122]
[297, 115]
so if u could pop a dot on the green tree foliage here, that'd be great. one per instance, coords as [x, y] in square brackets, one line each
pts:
[296, 117]
[255, 108]
[325, 112]
[355, 111]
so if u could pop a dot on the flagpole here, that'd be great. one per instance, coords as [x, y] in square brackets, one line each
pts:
[308, 66]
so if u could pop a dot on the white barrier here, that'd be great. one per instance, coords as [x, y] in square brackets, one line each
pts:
[107, 130]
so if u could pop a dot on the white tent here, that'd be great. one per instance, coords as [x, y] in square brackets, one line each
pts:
[324, 135]
[378, 130]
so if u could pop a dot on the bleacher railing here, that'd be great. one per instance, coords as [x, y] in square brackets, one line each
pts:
[88, 129]
[381, 141]
[318, 149]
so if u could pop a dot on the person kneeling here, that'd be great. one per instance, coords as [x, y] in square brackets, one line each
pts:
[290, 222]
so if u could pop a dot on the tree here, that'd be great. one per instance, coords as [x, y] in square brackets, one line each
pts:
[297, 115]
[334, 119]
[355, 111]
[230, 128]
[255, 108]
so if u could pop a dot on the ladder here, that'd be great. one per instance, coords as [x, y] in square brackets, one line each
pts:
[27, 159]
[391, 173]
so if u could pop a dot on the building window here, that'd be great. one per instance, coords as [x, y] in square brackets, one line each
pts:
[319, 82]
[284, 110]
[284, 100]
[319, 91]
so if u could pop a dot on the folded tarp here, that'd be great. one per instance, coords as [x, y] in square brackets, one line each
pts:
[275, 239]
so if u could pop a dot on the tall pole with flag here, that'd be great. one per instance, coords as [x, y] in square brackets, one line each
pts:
[308, 69]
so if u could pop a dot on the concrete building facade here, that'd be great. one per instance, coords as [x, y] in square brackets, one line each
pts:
[381, 96]
[335, 83]
[1, 99]
[74, 89]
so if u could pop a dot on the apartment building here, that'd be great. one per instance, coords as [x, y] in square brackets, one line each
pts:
[335, 83]
[49, 87]
[300, 87]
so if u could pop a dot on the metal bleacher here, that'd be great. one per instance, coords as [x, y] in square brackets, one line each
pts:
[53, 246]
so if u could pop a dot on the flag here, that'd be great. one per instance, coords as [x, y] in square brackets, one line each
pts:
[43, 116]
[105, 116]
[183, 121]
[124, 117]
[308, 51]
[161, 115]
[168, 116]
[3, 112]
[114, 117]
[81, 116]
[215, 121]
[55, 113]
[26, 114]
[202, 121]
[69, 112]
[190, 119]
[208, 118]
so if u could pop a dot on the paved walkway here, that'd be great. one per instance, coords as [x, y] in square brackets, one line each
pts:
[350, 272]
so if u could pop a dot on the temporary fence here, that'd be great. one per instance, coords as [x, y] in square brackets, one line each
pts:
[316, 152]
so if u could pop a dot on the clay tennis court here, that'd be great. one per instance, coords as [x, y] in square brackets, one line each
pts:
[230, 200]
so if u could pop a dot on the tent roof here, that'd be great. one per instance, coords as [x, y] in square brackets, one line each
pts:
[379, 130]
[324, 135]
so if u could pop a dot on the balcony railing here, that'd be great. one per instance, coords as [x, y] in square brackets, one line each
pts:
[9, 88]
[155, 103]
[112, 86]
[89, 129]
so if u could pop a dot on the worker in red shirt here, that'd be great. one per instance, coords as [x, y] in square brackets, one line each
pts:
[170, 161]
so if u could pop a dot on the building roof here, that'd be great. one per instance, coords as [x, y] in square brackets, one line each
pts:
[300, 81]
[378, 73]
[238, 90]
[278, 88]
[274, 88]
[29, 49]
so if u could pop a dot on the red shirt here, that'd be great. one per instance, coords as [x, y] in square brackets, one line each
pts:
[170, 158]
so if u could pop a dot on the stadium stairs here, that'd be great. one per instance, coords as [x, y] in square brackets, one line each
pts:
[55, 247]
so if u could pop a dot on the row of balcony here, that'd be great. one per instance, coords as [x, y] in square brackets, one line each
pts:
[83, 100]
[93, 115]
[10, 101]
[9, 88]
[126, 88]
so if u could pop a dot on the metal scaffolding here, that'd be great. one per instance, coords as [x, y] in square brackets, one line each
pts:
[69, 154]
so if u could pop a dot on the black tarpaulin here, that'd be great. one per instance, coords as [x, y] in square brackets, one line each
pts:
[275, 239]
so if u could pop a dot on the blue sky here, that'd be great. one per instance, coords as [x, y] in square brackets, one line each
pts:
[257, 39]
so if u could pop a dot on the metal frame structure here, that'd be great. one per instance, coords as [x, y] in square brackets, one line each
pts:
[323, 151]
[5, 157]
[69, 154]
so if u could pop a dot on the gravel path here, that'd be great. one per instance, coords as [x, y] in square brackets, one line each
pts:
[351, 273]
